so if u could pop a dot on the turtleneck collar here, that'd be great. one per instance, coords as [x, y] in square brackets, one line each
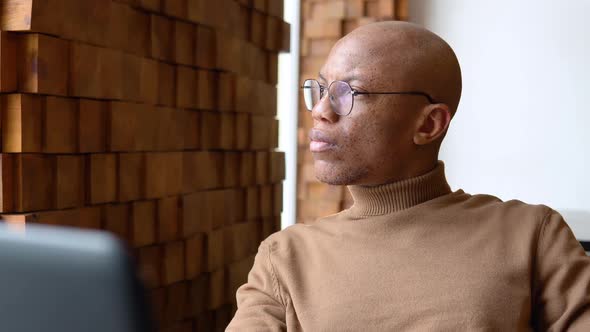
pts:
[399, 195]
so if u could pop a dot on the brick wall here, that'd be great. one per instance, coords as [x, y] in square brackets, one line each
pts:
[323, 23]
[154, 120]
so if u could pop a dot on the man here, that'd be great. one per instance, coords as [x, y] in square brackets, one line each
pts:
[410, 254]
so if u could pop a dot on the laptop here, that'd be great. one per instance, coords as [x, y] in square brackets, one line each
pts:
[66, 279]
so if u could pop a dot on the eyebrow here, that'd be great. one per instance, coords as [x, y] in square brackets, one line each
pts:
[345, 79]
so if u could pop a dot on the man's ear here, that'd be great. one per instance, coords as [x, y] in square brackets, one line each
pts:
[432, 124]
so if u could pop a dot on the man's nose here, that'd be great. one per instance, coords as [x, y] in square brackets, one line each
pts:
[322, 111]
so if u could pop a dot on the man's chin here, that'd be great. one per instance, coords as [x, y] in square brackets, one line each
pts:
[337, 176]
[334, 181]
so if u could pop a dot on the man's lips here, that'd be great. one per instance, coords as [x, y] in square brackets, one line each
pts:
[319, 146]
[320, 141]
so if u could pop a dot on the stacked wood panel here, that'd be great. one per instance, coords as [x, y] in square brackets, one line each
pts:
[323, 23]
[154, 120]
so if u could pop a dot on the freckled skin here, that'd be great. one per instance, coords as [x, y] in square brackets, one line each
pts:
[387, 138]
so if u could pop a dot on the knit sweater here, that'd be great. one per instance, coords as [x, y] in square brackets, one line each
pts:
[414, 256]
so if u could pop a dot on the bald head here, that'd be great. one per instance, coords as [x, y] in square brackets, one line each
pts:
[403, 56]
[385, 137]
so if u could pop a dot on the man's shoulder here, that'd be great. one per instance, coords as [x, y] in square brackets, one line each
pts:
[292, 236]
[493, 206]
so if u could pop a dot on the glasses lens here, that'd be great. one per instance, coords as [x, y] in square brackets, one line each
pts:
[311, 93]
[341, 97]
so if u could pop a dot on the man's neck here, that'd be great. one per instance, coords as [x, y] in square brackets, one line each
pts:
[399, 195]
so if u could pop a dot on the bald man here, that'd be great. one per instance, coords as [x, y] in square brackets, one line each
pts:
[410, 254]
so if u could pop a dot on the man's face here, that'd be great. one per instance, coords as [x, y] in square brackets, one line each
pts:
[369, 145]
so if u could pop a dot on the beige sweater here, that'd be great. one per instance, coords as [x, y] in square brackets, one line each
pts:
[414, 256]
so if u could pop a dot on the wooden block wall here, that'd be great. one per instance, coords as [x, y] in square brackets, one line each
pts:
[323, 22]
[154, 120]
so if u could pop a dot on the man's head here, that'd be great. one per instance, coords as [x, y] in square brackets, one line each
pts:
[385, 137]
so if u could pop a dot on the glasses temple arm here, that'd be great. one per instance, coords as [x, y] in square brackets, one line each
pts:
[430, 99]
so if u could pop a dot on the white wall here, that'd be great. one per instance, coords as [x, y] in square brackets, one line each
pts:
[287, 112]
[521, 128]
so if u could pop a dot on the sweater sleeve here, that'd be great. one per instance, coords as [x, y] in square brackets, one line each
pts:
[562, 279]
[260, 307]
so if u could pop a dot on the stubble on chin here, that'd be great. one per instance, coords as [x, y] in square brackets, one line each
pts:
[340, 176]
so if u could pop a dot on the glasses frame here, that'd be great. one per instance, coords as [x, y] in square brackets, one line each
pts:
[355, 92]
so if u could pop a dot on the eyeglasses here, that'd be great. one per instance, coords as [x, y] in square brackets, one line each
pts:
[342, 95]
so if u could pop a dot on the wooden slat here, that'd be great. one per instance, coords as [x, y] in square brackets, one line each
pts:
[173, 262]
[143, 223]
[186, 92]
[175, 8]
[60, 125]
[166, 84]
[22, 117]
[43, 65]
[148, 81]
[28, 182]
[215, 250]
[168, 223]
[85, 73]
[70, 181]
[122, 126]
[149, 261]
[162, 37]
[32, 15]
[117, 219]
[91, 125]
[102, 178]
[205, 55]
[163, 174]
[130, 172]
[202, 170]
[195, 252]
[184, 42]
[8, 82]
